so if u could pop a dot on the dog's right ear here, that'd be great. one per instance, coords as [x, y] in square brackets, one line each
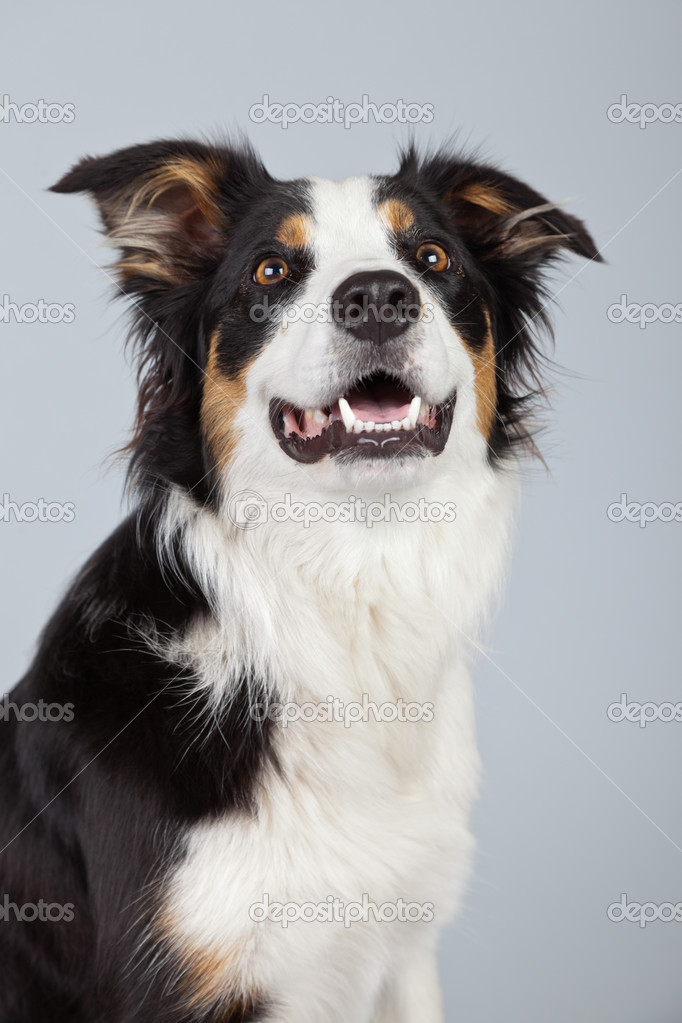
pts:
[163, 205]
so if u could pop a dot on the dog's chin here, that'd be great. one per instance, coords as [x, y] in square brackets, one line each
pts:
[371, 477]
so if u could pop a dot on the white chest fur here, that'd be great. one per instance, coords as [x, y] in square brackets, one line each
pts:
[373, 809]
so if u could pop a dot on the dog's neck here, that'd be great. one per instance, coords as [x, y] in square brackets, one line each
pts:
[374, 609]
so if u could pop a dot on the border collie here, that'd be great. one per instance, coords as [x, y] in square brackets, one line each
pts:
[252, 801]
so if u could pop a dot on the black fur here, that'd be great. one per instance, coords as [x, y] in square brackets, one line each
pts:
[109, 793]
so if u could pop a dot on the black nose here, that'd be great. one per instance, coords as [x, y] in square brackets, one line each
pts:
[376, 305]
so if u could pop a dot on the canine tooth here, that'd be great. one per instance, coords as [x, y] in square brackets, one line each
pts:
[358, 426]
[424, 410]
[406, 423]
[413, 414]
[395, 425]
[346, 414]
[318, 416]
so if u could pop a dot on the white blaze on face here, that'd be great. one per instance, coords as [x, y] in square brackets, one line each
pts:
[349, 235]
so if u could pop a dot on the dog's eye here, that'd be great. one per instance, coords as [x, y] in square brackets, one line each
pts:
[433, 256]
[270, 270]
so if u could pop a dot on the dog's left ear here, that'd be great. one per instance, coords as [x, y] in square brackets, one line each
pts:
[504, 220]
[162, 205]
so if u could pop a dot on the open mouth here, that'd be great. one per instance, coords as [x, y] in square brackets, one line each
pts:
[379, 417]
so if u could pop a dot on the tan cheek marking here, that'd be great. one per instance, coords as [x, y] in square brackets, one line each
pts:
[396, 215]
[223, 397]
[296, 231]
[485, 383]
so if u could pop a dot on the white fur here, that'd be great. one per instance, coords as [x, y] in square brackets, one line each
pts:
[343, 610]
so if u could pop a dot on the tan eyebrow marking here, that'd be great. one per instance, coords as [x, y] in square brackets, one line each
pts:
[396, 215]
[296, 231]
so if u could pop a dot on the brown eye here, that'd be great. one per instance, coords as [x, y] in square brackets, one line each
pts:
[270, 271]
[433, 256]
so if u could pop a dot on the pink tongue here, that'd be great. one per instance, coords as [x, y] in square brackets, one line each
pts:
[383, 410]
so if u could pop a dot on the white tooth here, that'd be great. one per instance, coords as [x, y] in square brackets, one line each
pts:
[405, 423]
[386, 427]
[346, 414]
[331, 417]
[320, 417]
[358, 426]
[370, 427]
[413, 414]
[395, 425]
[424, 410]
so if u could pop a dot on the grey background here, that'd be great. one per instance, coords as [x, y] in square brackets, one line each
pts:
[592, 610]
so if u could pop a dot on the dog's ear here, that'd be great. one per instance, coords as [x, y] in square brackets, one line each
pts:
[502, 219]
[170, 208]
[514, 234]
[162, 205]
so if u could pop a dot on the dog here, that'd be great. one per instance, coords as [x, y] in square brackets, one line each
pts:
[237, 778]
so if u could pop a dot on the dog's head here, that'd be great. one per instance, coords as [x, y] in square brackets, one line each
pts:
[377, 328]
